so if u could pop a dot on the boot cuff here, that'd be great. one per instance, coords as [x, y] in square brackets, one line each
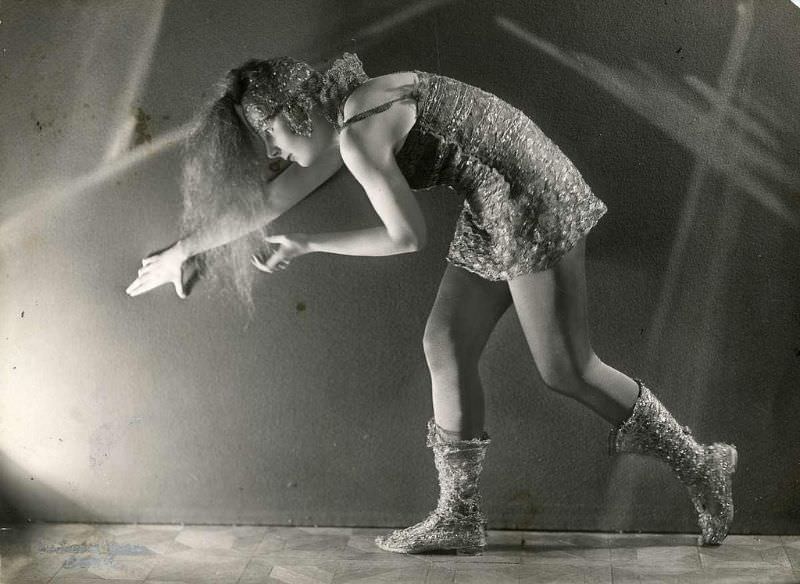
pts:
[435, 438]
[617, 434]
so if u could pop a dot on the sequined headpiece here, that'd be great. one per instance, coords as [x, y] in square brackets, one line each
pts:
[291, 87]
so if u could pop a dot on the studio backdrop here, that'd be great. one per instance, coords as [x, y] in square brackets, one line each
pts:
[681, 115]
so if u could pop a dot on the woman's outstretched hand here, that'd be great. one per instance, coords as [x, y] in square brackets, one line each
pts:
[162, 267]
[289, 247]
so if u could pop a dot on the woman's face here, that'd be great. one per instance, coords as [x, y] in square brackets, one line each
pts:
[281, 142]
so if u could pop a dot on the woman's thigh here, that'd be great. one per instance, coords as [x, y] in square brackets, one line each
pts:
[552, 309]
[466, 310]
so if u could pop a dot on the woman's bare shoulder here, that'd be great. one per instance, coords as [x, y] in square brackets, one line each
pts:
[377, 91]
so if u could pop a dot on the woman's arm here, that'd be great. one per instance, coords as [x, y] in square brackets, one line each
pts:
[371, 160]
[368, 152]
[286, 190]
[282, 193]
[373, 241]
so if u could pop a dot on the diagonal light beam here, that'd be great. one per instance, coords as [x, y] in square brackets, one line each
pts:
[676, 110]
[402, 16]
[714, 125]
[19, 212]
[371, 33]
[121, 137]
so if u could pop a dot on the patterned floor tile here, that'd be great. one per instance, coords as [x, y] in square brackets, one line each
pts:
[105, 567]
[116, 529]
[28, 568]
[490, 555]
[259, 571]
[174, 554]
[440, 574]
[567, 549]
[198, 566]
[156, 539]
[667, 558]
[766, 555]
[715, 576]
[327, 530]
[638, 540]
[298, 539]
[483, 573]
[91, 581]
[564, 574]
[362, 544]
[791, 544]
[367, 573]
[576, 539]
[754, 540]
[244, 539]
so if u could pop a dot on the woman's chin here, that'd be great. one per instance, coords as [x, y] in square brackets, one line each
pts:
[299, 161]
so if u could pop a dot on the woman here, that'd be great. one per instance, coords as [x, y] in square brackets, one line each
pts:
[520, 239]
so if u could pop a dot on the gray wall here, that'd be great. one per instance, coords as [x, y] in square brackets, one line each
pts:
[681, 115]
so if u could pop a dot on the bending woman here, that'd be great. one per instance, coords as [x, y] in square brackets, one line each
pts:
[520, 238]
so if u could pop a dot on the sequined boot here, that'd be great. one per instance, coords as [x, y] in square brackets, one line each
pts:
[704, 470]
[457, 523]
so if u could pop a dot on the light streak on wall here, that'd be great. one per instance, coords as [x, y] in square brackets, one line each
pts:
[736, 141]
[19, 211]
[376, 31]
[696, 124]
[139, 68]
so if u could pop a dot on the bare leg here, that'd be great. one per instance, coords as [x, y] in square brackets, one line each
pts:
[465, 312]
[552, 310]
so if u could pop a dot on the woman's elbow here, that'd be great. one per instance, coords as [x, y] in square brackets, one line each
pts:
[411, 241]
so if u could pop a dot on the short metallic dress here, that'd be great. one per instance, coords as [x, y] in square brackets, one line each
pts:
[525, 202]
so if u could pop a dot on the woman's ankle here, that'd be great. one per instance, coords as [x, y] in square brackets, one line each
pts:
[458, 435]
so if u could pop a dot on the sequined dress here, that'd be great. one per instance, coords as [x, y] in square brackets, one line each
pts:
[525, 202]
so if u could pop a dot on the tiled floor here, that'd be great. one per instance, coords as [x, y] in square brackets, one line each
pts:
[174, 554]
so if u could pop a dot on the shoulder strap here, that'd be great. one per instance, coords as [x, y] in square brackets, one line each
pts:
[375, 110]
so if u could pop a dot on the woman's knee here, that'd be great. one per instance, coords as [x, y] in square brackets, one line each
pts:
[446, 346]
[566, 376]
[439, 341]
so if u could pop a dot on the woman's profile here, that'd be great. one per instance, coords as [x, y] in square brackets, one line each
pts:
[519, 239]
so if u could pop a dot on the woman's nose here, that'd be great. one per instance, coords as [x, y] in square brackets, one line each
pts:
[272, 150]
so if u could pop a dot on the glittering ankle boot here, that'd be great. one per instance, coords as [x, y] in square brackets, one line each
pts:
[457, 523]
[704, 470]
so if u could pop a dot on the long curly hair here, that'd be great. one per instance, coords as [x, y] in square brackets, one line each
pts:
[225, 165]
[225, 171]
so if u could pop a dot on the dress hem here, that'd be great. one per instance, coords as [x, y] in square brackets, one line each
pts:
[525, 270]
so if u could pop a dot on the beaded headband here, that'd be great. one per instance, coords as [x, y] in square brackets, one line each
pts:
[288, 86]
[279, 85]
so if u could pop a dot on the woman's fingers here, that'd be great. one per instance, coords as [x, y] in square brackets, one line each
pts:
[179, 290]
[135, 284]
[275, 262]
[141, 285]
[258, 263]
[164, 267]
[279, 239]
